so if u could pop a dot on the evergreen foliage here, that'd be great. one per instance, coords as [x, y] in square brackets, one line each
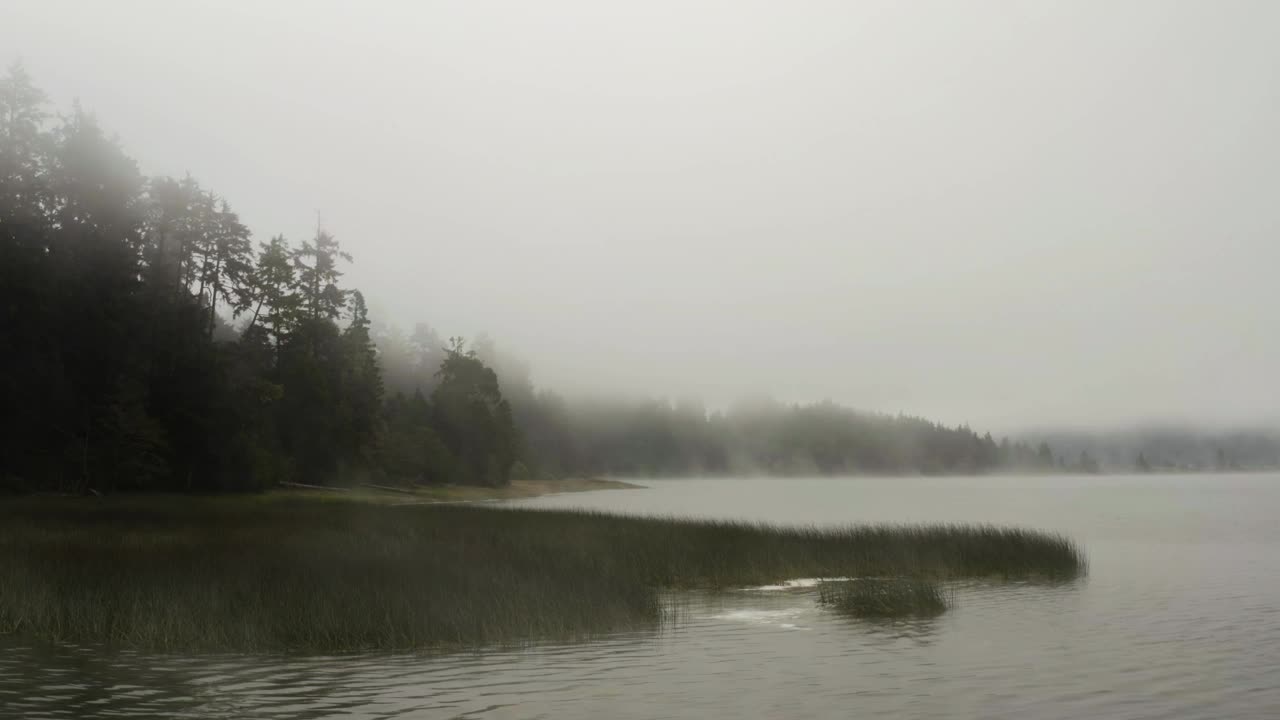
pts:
[114, 290]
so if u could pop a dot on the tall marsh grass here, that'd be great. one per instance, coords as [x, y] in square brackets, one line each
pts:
[278, 574]
[885, 597]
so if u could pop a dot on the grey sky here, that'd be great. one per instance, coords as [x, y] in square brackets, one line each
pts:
[995, 212]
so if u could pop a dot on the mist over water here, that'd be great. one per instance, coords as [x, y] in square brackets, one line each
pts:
[1043, 214]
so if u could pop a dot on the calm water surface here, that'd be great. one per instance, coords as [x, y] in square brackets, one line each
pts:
[1178, 618]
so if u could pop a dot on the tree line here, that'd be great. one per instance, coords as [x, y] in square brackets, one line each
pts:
[1172, 448]
[585, 436]
[149, 343]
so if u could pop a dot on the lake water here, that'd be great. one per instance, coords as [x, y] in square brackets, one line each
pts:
[1178, 618]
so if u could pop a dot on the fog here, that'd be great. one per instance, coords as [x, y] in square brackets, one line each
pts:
[995, 213]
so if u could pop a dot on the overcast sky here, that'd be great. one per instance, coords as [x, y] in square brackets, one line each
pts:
[1005, 213]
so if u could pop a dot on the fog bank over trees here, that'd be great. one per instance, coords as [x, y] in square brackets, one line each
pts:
[151, 344]
[1168, 448]
[1007, 215]
[154, 343]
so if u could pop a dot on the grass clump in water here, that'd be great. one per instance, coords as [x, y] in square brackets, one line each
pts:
[266, 574]
[885, 597]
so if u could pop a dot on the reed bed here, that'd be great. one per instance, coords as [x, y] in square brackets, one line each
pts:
[268, 574]
[885, 597]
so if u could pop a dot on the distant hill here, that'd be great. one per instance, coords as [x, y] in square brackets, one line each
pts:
[1168, 448]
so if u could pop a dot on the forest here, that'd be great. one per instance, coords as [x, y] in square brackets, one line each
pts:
[1170, 448]
[151, 342]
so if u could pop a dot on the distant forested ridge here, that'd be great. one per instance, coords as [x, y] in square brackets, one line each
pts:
[1170, 449]
[151, 343]
[585, 436]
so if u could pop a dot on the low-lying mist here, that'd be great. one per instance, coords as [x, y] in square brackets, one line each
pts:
[1006, 219]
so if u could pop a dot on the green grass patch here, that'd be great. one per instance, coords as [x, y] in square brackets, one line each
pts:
[885, 597]
[289, 573]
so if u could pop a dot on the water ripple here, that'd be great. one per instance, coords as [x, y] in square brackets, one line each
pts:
[1175, 621]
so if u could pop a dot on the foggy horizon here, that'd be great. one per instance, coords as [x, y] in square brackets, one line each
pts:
[1008, 216]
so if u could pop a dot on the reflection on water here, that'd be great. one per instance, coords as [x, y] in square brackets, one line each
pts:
[730, 641]
[1179, 618]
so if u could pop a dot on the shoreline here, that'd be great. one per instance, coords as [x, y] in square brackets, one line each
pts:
[444, 494]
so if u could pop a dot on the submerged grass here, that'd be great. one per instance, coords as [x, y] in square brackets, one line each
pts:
[279, 573]
[885, 597]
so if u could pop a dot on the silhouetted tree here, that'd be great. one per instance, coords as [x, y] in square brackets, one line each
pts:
[316, 263]
[473, 419]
